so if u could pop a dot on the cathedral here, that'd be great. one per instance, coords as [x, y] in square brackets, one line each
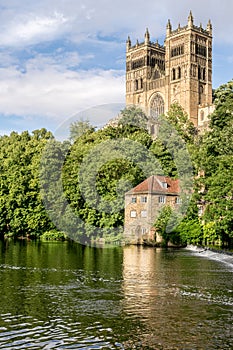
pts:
[178, 71]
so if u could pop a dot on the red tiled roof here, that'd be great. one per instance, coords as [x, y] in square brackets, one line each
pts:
[153, 184]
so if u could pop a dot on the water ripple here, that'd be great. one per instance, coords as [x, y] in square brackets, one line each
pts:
[55, 334]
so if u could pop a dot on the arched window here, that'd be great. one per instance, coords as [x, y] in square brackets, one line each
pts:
[173, 74]
[199, 72]
[203, 73]
[136, 84]
[179, 73]
[141, 83]
[156, 106]
[201, 94]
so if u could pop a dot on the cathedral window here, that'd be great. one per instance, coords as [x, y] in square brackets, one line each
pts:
[201, 91]
[178, 73]
[173, 74]
[156, 74]
[199, 72]
[128, 66]
[200, 50]
[156, 106]
[138, 63]
[203, 74]
[141, 83]
[177, 51]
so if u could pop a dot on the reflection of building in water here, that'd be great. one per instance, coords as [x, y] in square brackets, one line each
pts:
[166, 296]
[138, 267]
[146, 289]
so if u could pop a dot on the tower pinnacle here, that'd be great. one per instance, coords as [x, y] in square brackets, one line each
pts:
[190, 19]
[128, 43]
[169, 27]
[209, 27]
[147, 36]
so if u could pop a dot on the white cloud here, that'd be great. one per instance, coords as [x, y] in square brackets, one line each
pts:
[50, 85]
[27, 22]
[31, 28]
[57, 94]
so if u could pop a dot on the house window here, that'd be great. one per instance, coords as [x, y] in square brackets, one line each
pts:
[143, 199]
[143, 214]
[178, 200]
[164, 184]
[134, 200]
[133, 214]
[143, 230]
[162, 199]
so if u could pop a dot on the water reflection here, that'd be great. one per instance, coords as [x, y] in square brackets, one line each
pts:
[66, 296]
[181, 300]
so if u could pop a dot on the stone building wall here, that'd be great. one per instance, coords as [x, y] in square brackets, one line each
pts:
[143, 204]
[178, 71]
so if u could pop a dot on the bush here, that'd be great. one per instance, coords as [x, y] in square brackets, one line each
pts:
[53, 235]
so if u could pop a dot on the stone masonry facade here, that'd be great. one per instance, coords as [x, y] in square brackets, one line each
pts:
[178, 71]
[143, 204]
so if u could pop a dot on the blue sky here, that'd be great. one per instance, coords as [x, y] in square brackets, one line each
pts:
[58, 58]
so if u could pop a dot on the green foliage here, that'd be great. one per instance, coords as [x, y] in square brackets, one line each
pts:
[134, 118]
[180, 121]
[21, 209]
[83, 190]
[210, 233]
[190, 232]
[216, 161]
[161, 223]
[97, 173]
[53, 235]
[79, 128]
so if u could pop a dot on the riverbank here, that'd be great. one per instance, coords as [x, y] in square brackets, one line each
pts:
[212, 253]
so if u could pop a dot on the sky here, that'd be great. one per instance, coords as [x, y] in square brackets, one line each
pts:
[61, 58]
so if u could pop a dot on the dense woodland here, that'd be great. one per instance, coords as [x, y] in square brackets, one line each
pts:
[52, 189]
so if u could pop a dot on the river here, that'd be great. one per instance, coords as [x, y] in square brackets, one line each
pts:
[61, 295]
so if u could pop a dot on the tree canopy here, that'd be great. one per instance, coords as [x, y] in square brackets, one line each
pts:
[78, 188]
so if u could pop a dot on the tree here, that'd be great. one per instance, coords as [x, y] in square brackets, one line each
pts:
[134, 117]
[21, 207]
[216, 161]
[180, 121]
[161, 223]
[80, 127]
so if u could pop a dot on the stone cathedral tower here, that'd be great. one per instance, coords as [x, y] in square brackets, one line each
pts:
[180, 71]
